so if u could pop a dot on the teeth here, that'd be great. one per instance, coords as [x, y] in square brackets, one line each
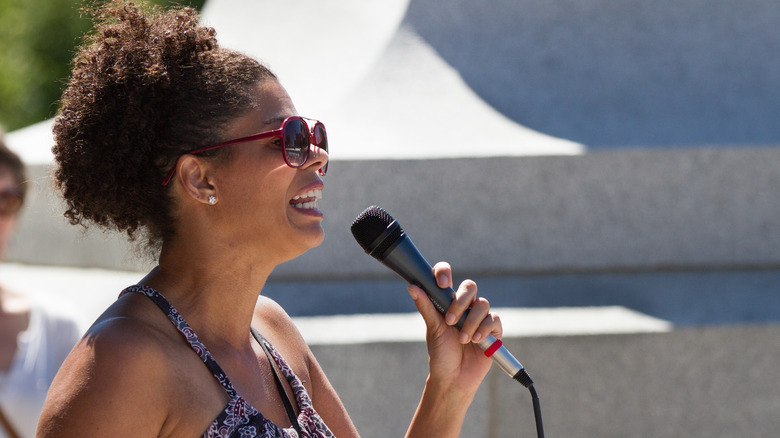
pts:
[306, 205]
[317, 194]
[312, 196]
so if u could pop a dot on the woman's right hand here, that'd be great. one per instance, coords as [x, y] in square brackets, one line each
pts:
[457, 364]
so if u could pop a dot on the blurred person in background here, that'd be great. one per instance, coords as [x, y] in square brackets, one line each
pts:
[33, 340]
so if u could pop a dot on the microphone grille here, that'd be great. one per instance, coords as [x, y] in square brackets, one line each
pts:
[369, 225]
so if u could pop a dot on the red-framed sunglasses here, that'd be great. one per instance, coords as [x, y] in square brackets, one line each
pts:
[296, 136]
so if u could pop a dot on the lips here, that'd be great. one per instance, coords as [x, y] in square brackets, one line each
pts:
[307, 200]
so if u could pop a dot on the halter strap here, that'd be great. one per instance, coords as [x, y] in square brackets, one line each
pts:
[279, 387]
[188, 334]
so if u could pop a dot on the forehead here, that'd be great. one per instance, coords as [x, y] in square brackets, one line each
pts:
[272, 103]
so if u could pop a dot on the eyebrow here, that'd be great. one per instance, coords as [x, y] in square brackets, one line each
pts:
[275, 120]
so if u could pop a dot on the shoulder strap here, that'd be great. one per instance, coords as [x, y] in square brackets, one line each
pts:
[187, 333]
[279, 387]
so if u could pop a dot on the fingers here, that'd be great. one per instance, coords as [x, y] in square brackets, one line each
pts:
[479, 322]
[443, 273]
[491, 325]
[464, 298]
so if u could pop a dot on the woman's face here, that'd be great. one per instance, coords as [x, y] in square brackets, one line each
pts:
[266, 202]
[7, 220]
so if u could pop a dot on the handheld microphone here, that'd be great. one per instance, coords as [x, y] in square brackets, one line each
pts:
[382, 237]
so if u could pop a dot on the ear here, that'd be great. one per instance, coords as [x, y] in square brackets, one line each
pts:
[195, 177]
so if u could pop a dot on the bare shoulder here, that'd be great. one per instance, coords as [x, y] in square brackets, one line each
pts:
[119, 372]
[278, 327]
[269, 311]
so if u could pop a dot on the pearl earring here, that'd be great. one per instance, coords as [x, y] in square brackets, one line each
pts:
[212, 200]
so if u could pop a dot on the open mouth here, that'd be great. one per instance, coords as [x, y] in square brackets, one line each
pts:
[308, 200]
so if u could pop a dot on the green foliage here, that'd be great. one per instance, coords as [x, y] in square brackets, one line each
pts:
[37, 42]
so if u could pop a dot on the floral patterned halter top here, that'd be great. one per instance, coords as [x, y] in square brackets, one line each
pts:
[240, 419]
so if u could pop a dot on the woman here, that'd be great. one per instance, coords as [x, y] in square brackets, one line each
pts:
[33, 341]
[200, 149]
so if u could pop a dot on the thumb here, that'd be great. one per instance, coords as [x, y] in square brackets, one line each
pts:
[431, 316]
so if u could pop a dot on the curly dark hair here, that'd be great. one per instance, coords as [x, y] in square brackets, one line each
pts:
[147, 86]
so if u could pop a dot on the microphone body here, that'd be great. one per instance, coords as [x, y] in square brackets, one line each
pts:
[405, 260]
[394, 249]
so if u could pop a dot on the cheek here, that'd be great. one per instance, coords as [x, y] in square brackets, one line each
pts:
[258, 200]
[259, 186]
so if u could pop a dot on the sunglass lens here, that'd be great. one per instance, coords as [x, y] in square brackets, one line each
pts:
[296, 142]
[321, 141]
[320, 137]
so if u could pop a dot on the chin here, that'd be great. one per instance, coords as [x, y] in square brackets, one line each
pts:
[317, 241]
[301, 249]
[310, 239]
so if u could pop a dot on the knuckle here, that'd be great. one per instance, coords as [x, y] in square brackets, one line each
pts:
[469, 284]
[481, 302]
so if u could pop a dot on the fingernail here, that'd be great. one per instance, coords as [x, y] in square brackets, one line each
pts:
[464, 338]
[442, 279]
[449, 318]
[412, 292]
[477, 336]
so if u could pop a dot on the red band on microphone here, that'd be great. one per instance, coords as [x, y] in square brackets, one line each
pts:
[493, 348]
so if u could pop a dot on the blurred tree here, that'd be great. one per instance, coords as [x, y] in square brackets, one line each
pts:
[37, 41]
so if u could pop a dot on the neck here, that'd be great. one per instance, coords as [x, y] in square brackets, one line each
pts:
[214, 289]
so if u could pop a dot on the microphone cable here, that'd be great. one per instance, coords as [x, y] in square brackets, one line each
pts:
[525, 380]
